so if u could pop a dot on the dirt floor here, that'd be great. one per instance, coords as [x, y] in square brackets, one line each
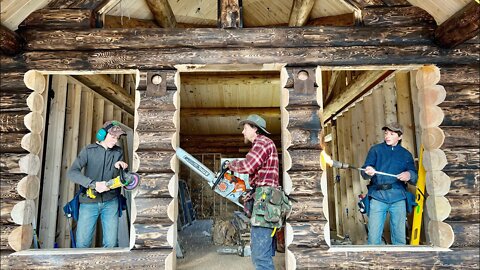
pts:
[201, 254]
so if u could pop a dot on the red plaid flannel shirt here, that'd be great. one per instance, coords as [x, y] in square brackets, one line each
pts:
[261, 163]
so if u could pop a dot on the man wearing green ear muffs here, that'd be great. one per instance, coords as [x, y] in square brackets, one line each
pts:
[101, 162]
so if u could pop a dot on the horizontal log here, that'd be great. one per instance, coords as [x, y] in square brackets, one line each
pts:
[305, 160]
[14, 101]
[398, 16]
[151, 38]
[460, 114]
[466, 234]
[464, 208]
[8, 186]
[460, 137]
[306, 183]
[13, 122]
[152, 211]
[155, 161]
[10, 42]
[307, 208]
[10, 142]
[347, 19]
[461, 94]
[463, 183]
[306, 118]
[75, 4]
[462, 159]
[6, 208]
[13, 82]
[59, 19]
[164, 103]
[459, 74]
[155, 141]
[63, 259]
[311, 258]
[168, 58]
[308, 235]
[150, 236]
[301, 99]
[151, 120]
[267, 112]
[9, 163]
[305, 139]
[6, 230]
[154, 185]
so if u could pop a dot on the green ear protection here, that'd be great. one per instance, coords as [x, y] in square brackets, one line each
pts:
[102, 133]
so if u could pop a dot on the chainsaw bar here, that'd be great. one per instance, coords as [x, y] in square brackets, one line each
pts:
[223, 187]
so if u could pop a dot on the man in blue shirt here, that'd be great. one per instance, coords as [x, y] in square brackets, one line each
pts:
[387, 193]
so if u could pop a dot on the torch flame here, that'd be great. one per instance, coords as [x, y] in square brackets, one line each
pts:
[325, 160]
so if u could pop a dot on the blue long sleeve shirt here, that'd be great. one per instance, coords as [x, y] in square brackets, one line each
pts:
[392, 160]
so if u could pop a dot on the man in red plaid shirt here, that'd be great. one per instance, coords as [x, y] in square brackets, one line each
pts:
[261, 164]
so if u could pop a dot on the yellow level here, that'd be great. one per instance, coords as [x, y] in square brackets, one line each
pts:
[419, 199]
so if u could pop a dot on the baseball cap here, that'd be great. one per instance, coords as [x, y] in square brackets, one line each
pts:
[394, 126]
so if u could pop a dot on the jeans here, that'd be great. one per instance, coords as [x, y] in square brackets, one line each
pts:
[376, 220]
[263, 248]
[89, 212]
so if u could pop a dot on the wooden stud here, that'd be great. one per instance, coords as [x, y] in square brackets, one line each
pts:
[53, 162]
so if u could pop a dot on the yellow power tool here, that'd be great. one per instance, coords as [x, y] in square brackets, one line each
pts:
[126, 179]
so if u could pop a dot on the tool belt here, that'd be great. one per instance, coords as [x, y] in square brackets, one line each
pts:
[270, 208]
[383, 187]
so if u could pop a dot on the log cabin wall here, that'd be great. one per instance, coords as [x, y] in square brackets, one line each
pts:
[325, 46]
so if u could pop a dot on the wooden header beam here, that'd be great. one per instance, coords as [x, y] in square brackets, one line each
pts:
[103, 85]
[360, 85]
[459, 28]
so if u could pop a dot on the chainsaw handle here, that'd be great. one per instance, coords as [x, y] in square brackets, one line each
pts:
[220, 176]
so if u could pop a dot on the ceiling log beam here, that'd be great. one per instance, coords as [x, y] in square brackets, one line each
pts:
[459, 28]
[162, 12]
[10, 42]
[358, 87]
[103, 85]
[300, 12]
[75, 4]
[230, 14]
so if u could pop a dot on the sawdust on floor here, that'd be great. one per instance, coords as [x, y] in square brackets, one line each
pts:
[201, 254]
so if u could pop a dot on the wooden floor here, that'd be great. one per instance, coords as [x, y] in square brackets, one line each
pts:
[201, 254]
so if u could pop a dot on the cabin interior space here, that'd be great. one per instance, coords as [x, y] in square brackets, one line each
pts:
[211, 107]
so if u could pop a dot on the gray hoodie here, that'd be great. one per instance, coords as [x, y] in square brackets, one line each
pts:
[98, 163]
